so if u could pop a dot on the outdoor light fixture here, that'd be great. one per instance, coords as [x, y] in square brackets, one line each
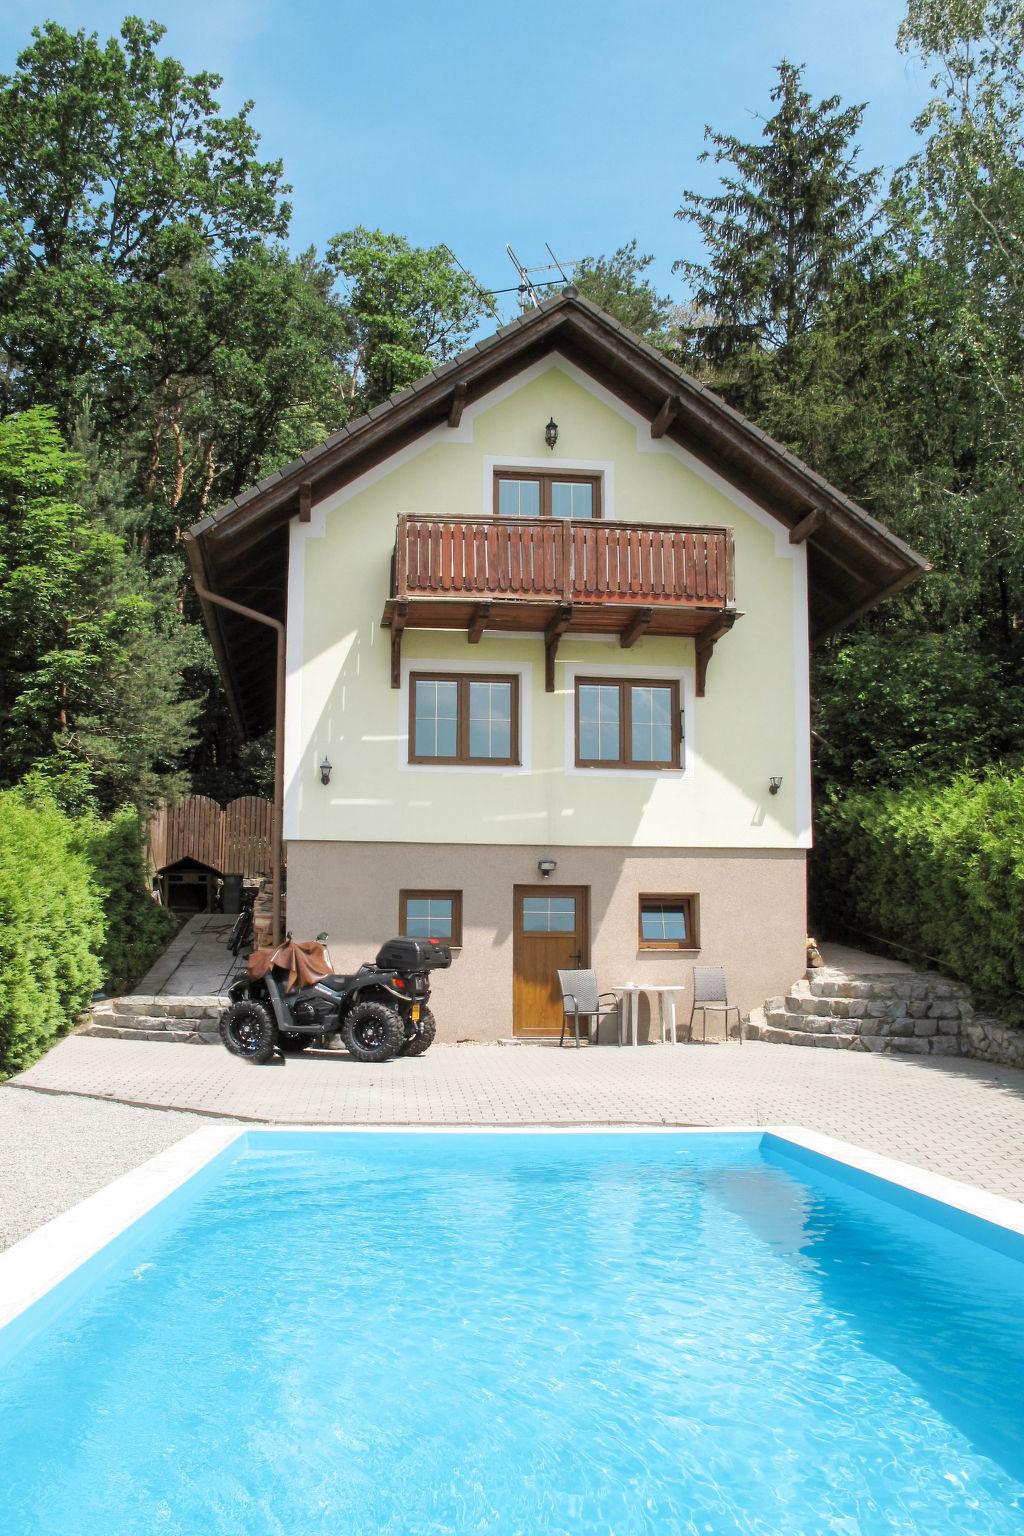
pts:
[774, 785]
[325, 770]
[547, 867]
[551, 432]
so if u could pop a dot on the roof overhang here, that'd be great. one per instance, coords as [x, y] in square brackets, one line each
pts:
[241, 550]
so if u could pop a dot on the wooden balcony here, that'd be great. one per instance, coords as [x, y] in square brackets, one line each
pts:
[559, 576]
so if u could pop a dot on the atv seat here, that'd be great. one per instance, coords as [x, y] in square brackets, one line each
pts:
[334, 983]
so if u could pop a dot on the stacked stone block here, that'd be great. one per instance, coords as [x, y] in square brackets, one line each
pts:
[912, 1012]
[183, 1020]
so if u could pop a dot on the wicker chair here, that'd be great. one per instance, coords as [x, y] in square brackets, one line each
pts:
[710, 996]
[581, 1000]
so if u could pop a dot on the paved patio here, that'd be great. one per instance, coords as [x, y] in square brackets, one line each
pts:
[961, 1118]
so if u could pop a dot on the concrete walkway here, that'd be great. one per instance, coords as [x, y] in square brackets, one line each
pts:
[961, 1118]
[196, 963]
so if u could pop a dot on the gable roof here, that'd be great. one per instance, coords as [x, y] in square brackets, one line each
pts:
[241, 550]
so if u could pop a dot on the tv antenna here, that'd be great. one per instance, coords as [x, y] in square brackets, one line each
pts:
[527, 289]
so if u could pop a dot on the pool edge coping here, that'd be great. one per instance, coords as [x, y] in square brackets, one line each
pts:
[39, 1262]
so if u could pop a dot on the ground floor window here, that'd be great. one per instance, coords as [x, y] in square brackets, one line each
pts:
[431, 915]
[668, 922]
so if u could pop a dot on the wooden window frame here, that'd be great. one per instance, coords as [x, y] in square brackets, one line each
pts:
[624, 761]
[455, 897]
[547, 477]
[462, 758]
[690, 902]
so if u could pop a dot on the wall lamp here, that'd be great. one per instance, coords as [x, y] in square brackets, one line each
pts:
[325, 770]
[774, 785]
[551, 432]
[547, 867]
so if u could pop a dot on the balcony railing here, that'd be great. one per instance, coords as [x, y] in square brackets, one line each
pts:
[548, 560]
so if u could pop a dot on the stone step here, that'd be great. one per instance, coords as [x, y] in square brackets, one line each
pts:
[906, 986]
[175, 1036]
[795, 1003]
[874, 1024]
[138, 1006]
[775, 1035]
[906, 1045]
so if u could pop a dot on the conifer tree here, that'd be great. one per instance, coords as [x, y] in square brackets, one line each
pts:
[793, 212]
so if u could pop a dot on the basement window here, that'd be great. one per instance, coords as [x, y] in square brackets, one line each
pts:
[668, 922]
[431, 915]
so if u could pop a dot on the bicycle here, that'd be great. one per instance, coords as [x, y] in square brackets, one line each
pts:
[243, 927]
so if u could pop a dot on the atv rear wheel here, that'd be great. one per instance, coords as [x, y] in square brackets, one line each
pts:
[372, 1032]
[248, 1031]
[423, 1039]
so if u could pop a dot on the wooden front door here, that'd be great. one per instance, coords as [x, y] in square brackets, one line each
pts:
[550, 934]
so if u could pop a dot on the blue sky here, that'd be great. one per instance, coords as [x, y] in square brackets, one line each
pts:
[577, 122]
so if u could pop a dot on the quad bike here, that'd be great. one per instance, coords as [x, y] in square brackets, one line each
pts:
[291, 998]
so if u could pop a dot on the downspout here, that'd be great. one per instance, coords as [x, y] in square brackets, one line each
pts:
[277, 834]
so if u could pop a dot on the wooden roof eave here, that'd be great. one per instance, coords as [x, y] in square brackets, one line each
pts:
[212, 619]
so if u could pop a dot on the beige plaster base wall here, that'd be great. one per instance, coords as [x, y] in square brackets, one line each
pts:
[752, 915]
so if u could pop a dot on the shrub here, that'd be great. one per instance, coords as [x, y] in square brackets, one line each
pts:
[136, 928]
[938, 869]
[51, 928]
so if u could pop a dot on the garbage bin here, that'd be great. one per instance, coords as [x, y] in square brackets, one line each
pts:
[231, 894]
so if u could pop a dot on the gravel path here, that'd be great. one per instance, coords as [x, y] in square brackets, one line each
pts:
[55, 1150]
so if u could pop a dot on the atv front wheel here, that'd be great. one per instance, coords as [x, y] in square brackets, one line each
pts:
[423, 1039]
[248, 1030]
[373, 1032]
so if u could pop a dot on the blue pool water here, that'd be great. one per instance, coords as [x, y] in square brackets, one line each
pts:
[523, 1334]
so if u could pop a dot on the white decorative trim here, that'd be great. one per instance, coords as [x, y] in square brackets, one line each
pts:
[523, 670]
[622, 672]
[801, 701]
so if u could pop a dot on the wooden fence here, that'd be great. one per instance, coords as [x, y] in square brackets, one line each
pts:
[235, 839]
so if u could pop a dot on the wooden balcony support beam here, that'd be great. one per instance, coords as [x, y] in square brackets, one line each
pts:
[802, 530]
[666, 416]
[478, 622]
[635, 628]
[398, 621]
[457, 406]
[554, 632]
[706, 645]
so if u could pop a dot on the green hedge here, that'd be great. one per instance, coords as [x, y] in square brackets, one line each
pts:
[940, 870]
[51, 928]
[136, 928]
[75, 915]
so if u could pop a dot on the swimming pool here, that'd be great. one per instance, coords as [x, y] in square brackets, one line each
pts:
[523, 1333]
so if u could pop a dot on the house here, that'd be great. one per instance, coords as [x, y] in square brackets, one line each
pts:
[535, 637]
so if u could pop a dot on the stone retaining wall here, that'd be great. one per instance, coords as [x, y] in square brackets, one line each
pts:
[987, 1039]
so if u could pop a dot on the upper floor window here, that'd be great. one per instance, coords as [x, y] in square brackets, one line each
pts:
[523, 493]
[463, 719]
[627, 724]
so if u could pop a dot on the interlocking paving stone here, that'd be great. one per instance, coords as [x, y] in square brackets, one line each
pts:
[961, 1118]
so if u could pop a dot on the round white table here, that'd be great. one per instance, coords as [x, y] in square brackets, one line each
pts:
[630, 995]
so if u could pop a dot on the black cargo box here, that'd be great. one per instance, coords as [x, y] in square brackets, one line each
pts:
[414, 955]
